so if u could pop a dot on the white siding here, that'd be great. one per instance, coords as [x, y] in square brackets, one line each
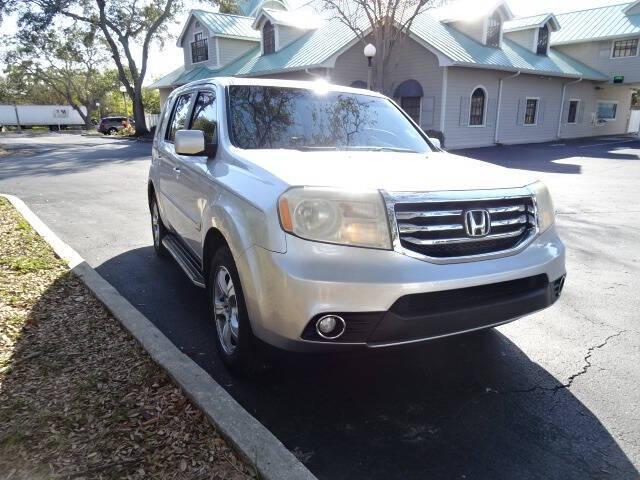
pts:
[286, 35]
[460, 85]
[473, 29]
[524, 38]
[410, 62]
[230, 49]
[350, 66]
[514, 94]
[164, 93]
[598, 55]
[186, 45]
[635, 10]
[587, 94]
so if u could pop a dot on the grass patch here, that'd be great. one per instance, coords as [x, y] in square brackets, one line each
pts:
[78, 396]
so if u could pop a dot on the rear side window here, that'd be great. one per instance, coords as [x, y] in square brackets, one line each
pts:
[204, 116]
[178, 117]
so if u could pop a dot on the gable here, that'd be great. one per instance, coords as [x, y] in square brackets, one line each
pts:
[191, 28]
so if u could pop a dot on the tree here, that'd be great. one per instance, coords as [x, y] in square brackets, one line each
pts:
[384, 23]
[123, 24]
[63, 61]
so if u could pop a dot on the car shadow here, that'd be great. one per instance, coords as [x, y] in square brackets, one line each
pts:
[474, 406]
[548, 157]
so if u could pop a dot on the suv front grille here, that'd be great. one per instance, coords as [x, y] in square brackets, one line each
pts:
[441, 228]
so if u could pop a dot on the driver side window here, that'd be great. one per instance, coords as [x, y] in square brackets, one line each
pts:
[204, 118]
[179, 117]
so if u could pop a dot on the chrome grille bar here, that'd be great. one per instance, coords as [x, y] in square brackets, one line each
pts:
[515, 208]
[406, 228]
[432, 214]
[510, 221]
[450, 241]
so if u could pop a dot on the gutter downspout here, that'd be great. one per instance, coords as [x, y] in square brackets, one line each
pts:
[564, 91]
[517, 74]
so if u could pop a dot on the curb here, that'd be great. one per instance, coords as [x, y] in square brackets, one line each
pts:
[256, 445]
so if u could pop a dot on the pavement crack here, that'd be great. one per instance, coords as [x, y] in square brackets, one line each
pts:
[566, 385]
[587, 358]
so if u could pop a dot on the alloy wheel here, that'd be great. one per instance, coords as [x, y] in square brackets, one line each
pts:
[226, 310]
[155, 224]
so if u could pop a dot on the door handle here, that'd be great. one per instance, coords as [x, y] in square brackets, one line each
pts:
[177, 170]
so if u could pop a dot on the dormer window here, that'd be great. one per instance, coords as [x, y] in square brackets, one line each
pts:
[494, 27]
[199, 48]
[268, 38]
[543, 40]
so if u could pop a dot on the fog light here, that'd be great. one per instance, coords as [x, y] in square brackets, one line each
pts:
[330, 326]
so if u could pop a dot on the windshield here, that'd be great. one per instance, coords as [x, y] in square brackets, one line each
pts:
[295, 118]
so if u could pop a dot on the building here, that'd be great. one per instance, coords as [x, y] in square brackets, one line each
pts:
[472, 79]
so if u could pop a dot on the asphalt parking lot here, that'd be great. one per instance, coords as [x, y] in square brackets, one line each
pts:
[552, 396]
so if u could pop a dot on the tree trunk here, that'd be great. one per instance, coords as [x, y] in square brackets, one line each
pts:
[138, 114]
[87, 120]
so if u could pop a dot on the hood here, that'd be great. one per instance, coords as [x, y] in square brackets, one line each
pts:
[391, 171]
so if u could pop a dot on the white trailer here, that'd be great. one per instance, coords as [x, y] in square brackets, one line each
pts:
[60, 116]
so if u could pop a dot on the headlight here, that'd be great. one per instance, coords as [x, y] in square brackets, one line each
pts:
[335, 216]
[546, 211]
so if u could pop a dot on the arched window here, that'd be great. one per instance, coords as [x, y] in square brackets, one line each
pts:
[494, 25]
[268, 38]
[410, 96]
[476, 112]
[543, 40]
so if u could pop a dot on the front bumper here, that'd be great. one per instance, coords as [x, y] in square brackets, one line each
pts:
[384, 292]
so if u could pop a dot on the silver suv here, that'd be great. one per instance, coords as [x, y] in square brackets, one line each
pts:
[322, 218]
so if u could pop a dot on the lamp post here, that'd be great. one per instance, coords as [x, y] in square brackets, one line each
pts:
[369, 52]
[123, 90]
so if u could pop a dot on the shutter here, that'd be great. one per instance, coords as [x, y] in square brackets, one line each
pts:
[522, 103]
[540, 119]
[428, 108]
[580, 118]
[464, 111]
[492, 109]
[565, 112]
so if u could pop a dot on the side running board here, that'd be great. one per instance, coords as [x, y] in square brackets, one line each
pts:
[184, 259]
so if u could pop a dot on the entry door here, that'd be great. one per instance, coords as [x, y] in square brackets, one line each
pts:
[634, 122]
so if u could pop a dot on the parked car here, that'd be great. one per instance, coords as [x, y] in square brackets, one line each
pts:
[112, 125]
[322, 218]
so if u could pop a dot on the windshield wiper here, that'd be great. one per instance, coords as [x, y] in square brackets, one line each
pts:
[311, 148]
[381, 149]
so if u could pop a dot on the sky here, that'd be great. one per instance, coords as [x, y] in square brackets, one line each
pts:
[163, 61]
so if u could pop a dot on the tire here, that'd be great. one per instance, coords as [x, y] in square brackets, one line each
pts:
[235, 343]
[112, 131]
[158, 230]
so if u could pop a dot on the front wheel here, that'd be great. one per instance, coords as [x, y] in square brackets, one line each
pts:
[234, 339]
[158, 229]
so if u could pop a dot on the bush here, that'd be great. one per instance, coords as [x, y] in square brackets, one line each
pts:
[127, 131]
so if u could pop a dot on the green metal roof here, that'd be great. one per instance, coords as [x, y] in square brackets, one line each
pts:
[534, 21]
[596, 23]
[181, 77]
[312, 49]
[227, 25]
[315, 48]
[463, 50]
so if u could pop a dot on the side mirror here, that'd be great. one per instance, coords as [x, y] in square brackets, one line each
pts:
[436, 142]
[189, 142]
